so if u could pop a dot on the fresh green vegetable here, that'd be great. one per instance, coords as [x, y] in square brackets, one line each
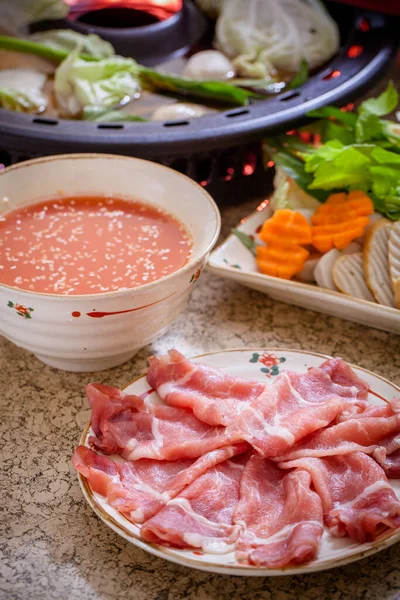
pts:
[15, 44]
[16, 100]
[102, 115]
[213, 91]
[107, 83]
[360, 151]
[67, 40]
[246, 240]
[15, 14]
[300, 77]
[287, 194]
[383, 104]
[326, 112]
[22, 90]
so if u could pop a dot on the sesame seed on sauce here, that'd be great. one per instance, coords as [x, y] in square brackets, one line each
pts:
[89, 245]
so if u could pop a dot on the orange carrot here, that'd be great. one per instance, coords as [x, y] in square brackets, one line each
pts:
[286, 225]
[336, 198]
[281, 259]
[340, 220]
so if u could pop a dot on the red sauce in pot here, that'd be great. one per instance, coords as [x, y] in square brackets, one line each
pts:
[89, 245]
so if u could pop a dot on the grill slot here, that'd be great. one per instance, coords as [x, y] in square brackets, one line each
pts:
[41, 121]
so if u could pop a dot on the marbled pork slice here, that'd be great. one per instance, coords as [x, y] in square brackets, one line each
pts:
[364, 432]
[294, 406]
[279, 515]
[202, 515]
[356, 495]
[214, 397]
[126, 425]
[139, 489]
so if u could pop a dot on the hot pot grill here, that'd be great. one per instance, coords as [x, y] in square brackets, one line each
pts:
[221, 151]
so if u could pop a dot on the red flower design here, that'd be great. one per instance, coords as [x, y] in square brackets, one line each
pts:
[22, 309]
[196, 275]
[269, 360]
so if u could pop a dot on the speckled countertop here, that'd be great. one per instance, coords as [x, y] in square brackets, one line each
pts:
[53, 547]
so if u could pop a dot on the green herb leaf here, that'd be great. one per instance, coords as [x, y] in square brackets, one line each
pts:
[346, 169]
[382, 156]
[384, 104]
[327, 112]
[300, 78]
[368, 127]
[334, 131]
[246, 240]
[295, 169]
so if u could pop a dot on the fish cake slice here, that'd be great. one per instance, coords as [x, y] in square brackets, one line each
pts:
[348, 276]
[376, 262]
[394, 261]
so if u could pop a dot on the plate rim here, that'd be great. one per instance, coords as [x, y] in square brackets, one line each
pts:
[235, 570]
[374, 306]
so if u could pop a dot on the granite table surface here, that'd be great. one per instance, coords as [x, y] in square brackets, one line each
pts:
[53, 547]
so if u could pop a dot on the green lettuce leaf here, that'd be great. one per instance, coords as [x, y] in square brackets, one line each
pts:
[368, 127]
[15, 14]
[108, 83]
[347, 168]
[332, 130]
[326, 152]
[67, 39]
[384, 104]
[16, 100]
[102, 115]
[22, 90]
[392, 204]
[295, 169]
[382, 156]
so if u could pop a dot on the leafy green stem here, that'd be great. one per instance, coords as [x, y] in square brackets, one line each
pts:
[28, 47]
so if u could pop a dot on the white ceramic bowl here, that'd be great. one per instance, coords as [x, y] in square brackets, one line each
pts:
[99, 331]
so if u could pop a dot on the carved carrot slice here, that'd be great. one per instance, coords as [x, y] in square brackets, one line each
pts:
[340, 220]
[287, 226]
[281, 259]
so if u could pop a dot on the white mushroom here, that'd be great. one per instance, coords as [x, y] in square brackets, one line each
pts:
[180, 110]
[210, 65]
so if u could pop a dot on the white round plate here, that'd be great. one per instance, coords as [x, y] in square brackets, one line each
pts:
[257, 364]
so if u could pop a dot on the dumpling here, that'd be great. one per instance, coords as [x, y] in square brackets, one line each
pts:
[266, 36]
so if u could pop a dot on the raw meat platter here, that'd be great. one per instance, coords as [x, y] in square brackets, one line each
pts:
[264, 366]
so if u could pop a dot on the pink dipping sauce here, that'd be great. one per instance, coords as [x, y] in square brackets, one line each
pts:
[89, 245]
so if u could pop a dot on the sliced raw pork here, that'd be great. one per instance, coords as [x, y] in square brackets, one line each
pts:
[388, 456]
[214, 397]
[126, 425]
[294, 406]
[364, 432]
[202, 515]
[140, 489]
[280, 516]
[356, 496]
[343, 376]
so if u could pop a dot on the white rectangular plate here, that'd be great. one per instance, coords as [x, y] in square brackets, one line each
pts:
[232, 260]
